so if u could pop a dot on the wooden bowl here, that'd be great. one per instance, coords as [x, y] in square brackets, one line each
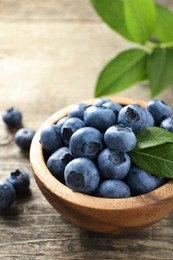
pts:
[116, 216]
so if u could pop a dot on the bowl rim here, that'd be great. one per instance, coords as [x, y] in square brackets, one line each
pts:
[44, 176]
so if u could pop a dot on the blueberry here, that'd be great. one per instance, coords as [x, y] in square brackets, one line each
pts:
[50, 138]
[99, 117]
[120, 137]
[101, 101]
[141, 182]
[113, 189]
[78, 110]
[23, 138]
[113, 164]
[159, 110]
[12, 117]
[133, 116]
[69, 127]
[113, 106]
[82, 175]
[167, 124]
[60, 122]
[86, 142]
[7, 195]
[20, 181]
[58, 161]
[150, 120]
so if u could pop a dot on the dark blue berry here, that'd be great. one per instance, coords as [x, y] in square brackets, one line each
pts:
[113, 164]
[113, 189]
[23, 138]
[58, 161]
[159, 110]
[120, 137]
[140, 182]
[50, 138]
[99, 117]
[78, 110]
[133, 116]
[60, 122]
[167, 124]
[113, 106]
[82, 175]
[86, 142]
[20, 181]
[12, 117]
[7, 195]
[101, 101]
[69, 127]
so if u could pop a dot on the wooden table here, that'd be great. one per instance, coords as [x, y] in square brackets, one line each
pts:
[50, 55]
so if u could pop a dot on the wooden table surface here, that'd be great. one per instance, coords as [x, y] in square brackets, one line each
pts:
[50, 55]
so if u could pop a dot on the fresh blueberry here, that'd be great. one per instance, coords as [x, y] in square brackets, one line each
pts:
[82, 175]
[113, 106]
[113, 164]
[12, 117]
[133, 116]
[113, 189]
[20, 181]
[167, 124]
[78, 110]
[86, 142]
[23, 138]
[7, 195]
[99, 117]
[120, 137]
[50, 138]
[101, 101]
[159, 110]
[69, 127]
[58, 161]
[150, 120]
[60, 122]
[140, 182]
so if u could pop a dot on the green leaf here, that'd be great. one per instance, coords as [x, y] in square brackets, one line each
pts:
[153, 136]
[140, 19]
[123, 71]
[164, 26]
[160, 70]
[157, 160]
[112, 12]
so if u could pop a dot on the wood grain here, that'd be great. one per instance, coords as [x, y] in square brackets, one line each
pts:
[50, 55]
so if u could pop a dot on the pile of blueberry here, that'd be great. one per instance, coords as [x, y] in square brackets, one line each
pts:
[87, 150]
[18, 181]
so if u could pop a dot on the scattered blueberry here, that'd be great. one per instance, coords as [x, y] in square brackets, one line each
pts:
[113, 189]
[120, 137]
[50, 138]
[69, 127]
[167, 124]
[20, 181]
[113, 164]
[78, 110]
[82, 175]
[141, 182]
[86, 142]
[99, 117]
[12, 117]
[23, 138]
[159, 110]
[133, 116]
[58, 161]
[7, 195]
